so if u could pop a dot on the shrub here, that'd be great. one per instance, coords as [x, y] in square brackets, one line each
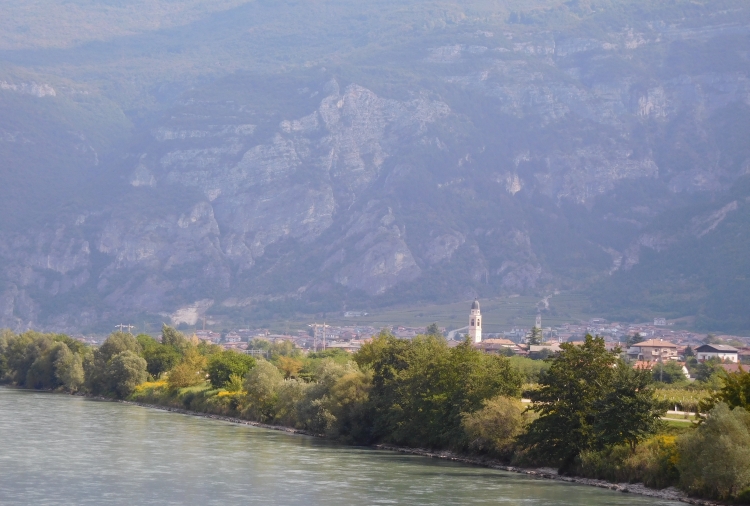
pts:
[189, 372]
[494, 428]
[715, 457]
[653, 463]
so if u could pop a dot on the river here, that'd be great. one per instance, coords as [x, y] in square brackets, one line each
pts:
[60, 449]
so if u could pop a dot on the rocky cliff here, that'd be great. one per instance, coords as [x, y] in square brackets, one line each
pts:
[484, 158]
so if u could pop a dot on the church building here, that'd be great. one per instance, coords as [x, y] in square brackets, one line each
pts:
[475, 323]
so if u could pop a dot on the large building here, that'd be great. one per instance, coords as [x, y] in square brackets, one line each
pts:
[475, 322]
[653, 350]
[721, 351]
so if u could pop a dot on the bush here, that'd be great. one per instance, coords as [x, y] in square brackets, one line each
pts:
[494, 428]
[653, 463]
[189, 372]
[715, 457]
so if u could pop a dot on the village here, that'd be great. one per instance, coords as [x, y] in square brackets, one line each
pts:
[644, 344]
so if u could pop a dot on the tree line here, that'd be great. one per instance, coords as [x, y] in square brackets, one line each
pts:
[589, 413]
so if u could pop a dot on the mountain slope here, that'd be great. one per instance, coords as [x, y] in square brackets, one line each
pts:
[418, 152]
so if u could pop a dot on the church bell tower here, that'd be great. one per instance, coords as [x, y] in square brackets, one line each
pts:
[475, 323]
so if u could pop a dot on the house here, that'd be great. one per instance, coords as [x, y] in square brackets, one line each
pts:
[732, 368]
[721, 351]
[233, 337]
[660, 322]
[653, 350]
[495, 345]
[551, 347]
[351, 346]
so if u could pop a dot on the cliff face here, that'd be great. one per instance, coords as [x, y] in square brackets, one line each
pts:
[517, 161]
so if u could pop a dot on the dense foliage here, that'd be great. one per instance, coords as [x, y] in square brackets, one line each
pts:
[591, 414]
[589, 400]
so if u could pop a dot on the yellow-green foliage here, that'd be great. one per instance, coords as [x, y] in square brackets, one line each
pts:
[190, 371]
[654, 463]
[494, 428]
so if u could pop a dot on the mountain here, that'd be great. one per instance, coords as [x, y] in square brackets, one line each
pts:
[255, 159]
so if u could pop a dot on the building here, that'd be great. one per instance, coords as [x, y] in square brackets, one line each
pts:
[653, 350]
[721, 351]
[660, 322]
[733, 368]
[475, 322]
[497, 345]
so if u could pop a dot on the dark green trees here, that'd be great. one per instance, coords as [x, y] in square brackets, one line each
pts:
[535, 338]
[668, 372]
[628, 413]
[735, 392]
[421, 388]
[42, 361]
[221, 366]
[580, 403]
[159, 357]
[116, 367]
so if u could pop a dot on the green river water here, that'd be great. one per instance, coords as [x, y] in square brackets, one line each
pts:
[59, 449]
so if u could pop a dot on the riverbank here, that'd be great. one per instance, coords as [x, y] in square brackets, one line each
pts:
[669, 494]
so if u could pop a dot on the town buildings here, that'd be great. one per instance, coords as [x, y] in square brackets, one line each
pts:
[721, 351]
[654, 350]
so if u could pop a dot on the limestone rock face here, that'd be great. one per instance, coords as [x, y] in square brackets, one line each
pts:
[477, 163]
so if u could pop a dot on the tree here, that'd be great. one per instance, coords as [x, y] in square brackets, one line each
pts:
[421, 388]
[222, 366]
[347, 403]
[628, 413]
[289, 366]
[669, 372]
[433, 330]
[174, 338]
[689, 352]
[706, 370]
[634, 339]
[735, 392]
[262, 383]
[189, 372]
[69, 370]
[711, 339]
[125, 371]
[161, 358]
[578, 377]
[284, 349]
[715, 458]
[117, 342]
[536, 337]
[96, 365]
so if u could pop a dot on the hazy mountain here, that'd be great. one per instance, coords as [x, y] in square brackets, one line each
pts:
[267, 157]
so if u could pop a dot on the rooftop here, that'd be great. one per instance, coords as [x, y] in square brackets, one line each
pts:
[656, 343]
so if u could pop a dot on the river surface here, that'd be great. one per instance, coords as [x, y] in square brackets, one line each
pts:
[59, 449]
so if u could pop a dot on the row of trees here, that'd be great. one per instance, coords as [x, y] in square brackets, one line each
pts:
[590, 412]
[118, 366]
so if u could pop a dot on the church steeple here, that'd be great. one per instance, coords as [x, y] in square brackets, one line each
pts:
[475, 322]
